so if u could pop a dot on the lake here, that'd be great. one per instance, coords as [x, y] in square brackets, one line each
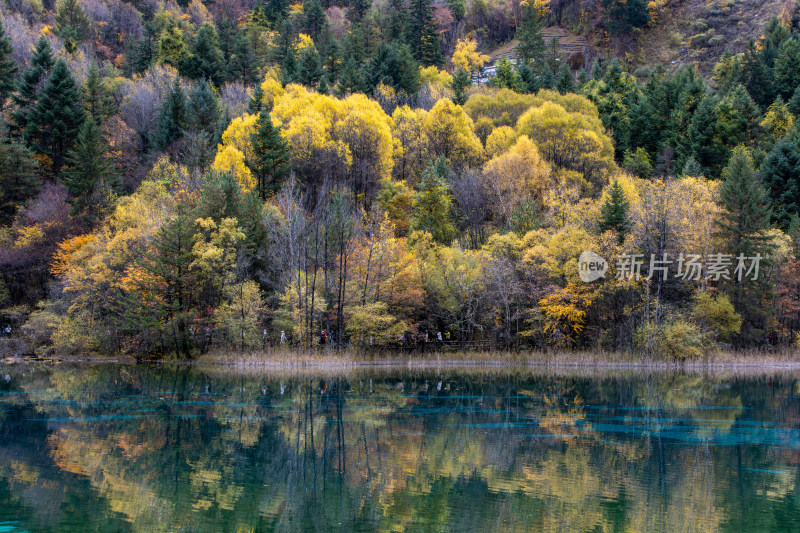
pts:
[212, 449]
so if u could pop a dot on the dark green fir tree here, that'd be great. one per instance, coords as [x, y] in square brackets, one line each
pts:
[171, 117]
[55, 121]
[614, 212]
[270, 162]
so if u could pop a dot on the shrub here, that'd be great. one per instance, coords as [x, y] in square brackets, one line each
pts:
[680, 339]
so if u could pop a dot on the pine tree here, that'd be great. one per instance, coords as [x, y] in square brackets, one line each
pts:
[625, 16]
[432, 204]
[787, 68]
[760, 77]
[309, 69]
[8, 68]
[461, 80]
[270, 14]
[322, 86]
[351, 78]
[547, 80]
[646, 125]
[736, 118]
[780, 173]
[358, 9]
[314, 18]
[529, 34]
[72, 24]
[171, 117]
[700, 141]
[794, 103]
[96, 100]
[405, 71]
[19, 178]
[25, 98]
[89, 176]
[506, 76]
[55, 121]
[271, 157]
[396, 21]
[565, 82]
[530, 82]
[743, 225]
[692, 168]
[614, 212]
[289, 68]
[256, 101]
[204, 110]
[242, 61]
[171, 301]
[172, 47]
[207, 60]
[422, 35]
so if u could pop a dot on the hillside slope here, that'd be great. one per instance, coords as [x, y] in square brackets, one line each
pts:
[699, 31]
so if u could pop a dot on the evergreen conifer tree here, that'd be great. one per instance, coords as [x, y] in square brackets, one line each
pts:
[760, 77]
[55, 121]
[700, 141]
[351, 78]
[314, 18]
[72, 24]
[787, 68]
[171, 117]
[461, 80]
[422, 35]
[614, 212]
[25, 98]
[565, 83]
[19, 178]
[289, 68]
[203, 109]
[172, 48]
[8, 68]
[256, 101]
[531, 45]
[96, 100]
[207, 60]
[780, 174]
[432, 204]
[271, 158]
[89, 177]
[743, 226]
[309, 69]
[396, 21]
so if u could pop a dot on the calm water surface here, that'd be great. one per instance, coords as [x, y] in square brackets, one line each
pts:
[131, 448]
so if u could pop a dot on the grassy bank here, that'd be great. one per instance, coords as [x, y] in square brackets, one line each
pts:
[277, 358]
[349, 358]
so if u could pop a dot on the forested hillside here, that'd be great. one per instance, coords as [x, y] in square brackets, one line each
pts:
[182, 177]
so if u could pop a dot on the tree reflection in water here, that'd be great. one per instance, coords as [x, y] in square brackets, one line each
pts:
[133, 448]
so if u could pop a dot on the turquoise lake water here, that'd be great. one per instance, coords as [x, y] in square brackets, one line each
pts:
[177, 448]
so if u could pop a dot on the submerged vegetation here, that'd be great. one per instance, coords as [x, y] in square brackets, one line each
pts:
[184, 178]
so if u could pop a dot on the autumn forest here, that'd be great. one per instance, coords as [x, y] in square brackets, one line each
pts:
[185, 178]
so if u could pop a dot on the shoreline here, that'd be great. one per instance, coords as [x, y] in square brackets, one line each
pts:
[284, 361]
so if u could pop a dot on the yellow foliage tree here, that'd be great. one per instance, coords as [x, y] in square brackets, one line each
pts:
[514, 176]
[466, 55]
[230, 159]
[564, 313]
[571, 140]
[410, 143]
[500, 140]
[450, 134]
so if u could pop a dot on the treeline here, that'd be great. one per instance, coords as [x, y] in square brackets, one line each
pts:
[231, 186]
